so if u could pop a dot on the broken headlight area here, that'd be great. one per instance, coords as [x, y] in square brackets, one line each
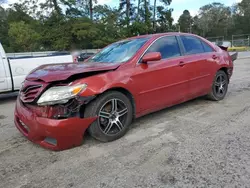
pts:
[61, 111]
[60, 94]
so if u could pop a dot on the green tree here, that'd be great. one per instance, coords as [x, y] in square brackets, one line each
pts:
[53, 5]
[196, 26]
[90, 6]
[185, 22]
[80, 8]
[166, 3]
[127, 5]
[56, 33]
[108, 22]
[67, 24]
[165, 20]
[17, 13]
[241, 18]
[145, 15]
[214, 19]
[138, 9]
[4, 38]
[85, 31]
[23, 37]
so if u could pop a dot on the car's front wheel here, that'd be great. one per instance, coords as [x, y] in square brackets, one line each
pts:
[219, 87]
[114, 111]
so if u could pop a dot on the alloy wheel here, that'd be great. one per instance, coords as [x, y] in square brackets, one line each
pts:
[220, 85]
[112, 116]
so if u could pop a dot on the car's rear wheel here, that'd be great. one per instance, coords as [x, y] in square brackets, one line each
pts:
[219, 87]
[114, 111]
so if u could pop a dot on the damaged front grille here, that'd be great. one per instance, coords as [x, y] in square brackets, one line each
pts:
[32, 90]
[30, 93]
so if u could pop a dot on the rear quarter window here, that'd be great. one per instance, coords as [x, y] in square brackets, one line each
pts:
[207, 47]
[192, 45]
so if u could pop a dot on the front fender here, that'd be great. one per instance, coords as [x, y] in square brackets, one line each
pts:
[98, 84]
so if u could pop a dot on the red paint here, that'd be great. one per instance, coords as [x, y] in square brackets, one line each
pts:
[155, 84]
[153, 56]
[57, 72]
[67, 132]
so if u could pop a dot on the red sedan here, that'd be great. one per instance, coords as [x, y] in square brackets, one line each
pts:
[125, 80]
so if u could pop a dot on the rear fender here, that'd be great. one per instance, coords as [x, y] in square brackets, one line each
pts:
[233, 56]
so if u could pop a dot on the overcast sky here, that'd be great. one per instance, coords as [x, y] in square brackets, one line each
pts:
[178, 5]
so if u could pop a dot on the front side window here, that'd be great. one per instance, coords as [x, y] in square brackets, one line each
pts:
[192, 45]
[119, 52]
[167, 46]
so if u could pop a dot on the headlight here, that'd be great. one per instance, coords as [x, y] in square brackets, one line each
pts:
[60, 94]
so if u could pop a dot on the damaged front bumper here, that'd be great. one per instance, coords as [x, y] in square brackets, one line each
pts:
[54, 134]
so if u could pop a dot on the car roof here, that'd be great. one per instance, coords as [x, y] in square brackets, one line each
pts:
[161, 34]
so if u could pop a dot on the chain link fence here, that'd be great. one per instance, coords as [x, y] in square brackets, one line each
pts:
[234, 42]
[241, 40]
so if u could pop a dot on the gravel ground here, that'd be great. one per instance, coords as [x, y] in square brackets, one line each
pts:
[243, 54]
[196, 144]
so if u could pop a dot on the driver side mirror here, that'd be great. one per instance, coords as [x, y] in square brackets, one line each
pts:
[151, 56]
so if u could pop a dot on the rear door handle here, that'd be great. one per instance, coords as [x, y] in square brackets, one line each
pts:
[182, 64]
[215, 57]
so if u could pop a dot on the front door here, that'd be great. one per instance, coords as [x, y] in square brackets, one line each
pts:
[162, 83]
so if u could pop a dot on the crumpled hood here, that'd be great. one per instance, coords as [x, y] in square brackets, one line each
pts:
[59, 72]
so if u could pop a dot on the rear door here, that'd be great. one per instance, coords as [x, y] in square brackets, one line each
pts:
[199, 63]
[212, 61]
[161, 83]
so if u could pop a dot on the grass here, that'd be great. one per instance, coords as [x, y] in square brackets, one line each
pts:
[238, 49]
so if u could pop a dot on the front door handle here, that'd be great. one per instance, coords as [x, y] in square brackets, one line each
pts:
[182, 64]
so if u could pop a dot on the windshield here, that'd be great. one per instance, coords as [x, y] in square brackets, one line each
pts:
[119, 52]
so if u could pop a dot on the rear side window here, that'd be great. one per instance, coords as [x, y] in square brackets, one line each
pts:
[192, 45]
[207, 47]
[167, 46]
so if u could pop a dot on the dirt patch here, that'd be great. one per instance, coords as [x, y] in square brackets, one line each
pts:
[3, 117]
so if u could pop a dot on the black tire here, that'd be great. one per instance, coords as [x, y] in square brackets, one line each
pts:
[219, 87]
[98, 130]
